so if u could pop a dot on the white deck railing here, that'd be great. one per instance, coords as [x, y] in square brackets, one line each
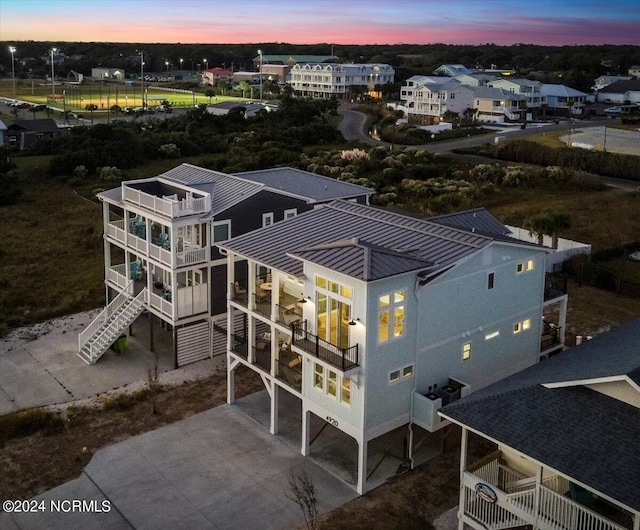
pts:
[167, 207]
[523, 501]
[104, 316]
[118, 275]
[161, 304]
[189, 257]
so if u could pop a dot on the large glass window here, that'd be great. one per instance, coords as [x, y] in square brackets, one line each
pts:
[391, 306]
[318, 376]
[333, 312]
[221, 232]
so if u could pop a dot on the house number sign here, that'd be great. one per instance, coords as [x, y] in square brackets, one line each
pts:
[332, 421]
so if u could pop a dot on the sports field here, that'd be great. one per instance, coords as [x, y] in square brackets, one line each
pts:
[73, 97]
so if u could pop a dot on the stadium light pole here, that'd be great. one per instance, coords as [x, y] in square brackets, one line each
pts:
[260, 55]
[12, 50]
[53, 77]
[142, 76]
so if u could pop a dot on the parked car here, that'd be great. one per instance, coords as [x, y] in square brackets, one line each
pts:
[128, 110]
[165, 108]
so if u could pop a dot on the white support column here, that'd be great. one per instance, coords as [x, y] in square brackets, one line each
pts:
[562, 319]
[636, 521]
[275, 396]
[362, 466]
[231, 367]
[463, 467]
[306, 431]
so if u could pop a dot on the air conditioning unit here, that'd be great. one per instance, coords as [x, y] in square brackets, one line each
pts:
[449, 394]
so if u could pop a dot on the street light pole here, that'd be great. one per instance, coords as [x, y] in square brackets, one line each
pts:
[167, 65]
[12, 50]
[53, 76]
[180, 64]
[205, 63]
[142, 76]
[260, 55]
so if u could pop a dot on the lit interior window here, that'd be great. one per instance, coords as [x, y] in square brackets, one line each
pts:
[345, 390]
[385, 300]
[407, 371]
[332, 380]
[530, 265]
[318, 376]
[492, 335]
[394, 376]
[466, 351]
[321, 282]
[526, 324]
[383, 329]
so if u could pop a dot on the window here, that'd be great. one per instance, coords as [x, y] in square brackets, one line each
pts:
[394, 376]
[393, 306]
[332, 379]
[521, 326]
[492, 335]
[525, 267]
[321, 282]
[318, 376]
[288, 214]
[267, 219]
[490, 280]
[407, 371]
[466, 351]
[221, 231]
[345, 390]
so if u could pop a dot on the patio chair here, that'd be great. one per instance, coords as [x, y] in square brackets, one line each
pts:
[237, 290]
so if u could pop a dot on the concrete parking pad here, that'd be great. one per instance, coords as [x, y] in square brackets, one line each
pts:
[216, 470]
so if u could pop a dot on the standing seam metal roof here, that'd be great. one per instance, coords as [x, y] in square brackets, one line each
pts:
[305, 184]
[275, 245]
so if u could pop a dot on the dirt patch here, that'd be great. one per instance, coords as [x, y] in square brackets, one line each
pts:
[37, 463]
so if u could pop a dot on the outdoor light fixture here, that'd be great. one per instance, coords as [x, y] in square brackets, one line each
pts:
[302, 300]
[352, 322]
[12, 51]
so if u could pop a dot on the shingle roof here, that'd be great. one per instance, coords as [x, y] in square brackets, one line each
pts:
[418, 239]
[305, 184]
[622, 87]
[575, 430]
[486, 92]
[37, 125]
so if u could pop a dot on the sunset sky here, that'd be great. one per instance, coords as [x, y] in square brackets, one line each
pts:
[505, 22]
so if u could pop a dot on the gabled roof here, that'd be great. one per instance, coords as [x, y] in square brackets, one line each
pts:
[417, 239]
[296, 58]
[452, 69]
[518, 81]
[362, 260]
[425, 80]
[487, 92]
[580, 432]
[304, 184]
[478, 220]
[550, 89]
[622, 87]
[38, 125]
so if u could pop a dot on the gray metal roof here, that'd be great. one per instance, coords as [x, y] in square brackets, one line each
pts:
[305, 184]
[577, 431]
[418, 239]
[477, 220]
[486, 92]
[362, 260]
[226, 190]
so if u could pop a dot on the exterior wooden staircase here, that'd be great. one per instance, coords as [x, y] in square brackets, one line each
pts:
[114, 319]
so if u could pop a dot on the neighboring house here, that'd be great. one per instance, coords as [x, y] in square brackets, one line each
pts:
[290, 60]
[624, 92]
[605, 80]
[3, 130]
[278, 73]
[524, 87]
[563, 100]
[213, 75]
[23, 134]
[634, 71]
[370, 320]
[475, 79]
[567, 434]
[451, 70]
[325, 80]
[427, 98]
[160, 249]
[102, 73]
[498, 105]
[249, 77]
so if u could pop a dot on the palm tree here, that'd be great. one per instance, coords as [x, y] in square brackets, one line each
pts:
[548, 223]
[244, 86]
[91, 107]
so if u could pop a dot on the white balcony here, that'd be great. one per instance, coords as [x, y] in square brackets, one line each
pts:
[168, 205]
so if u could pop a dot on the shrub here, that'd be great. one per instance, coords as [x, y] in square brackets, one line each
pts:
[169, 150]
[28, 422]
[110, 173]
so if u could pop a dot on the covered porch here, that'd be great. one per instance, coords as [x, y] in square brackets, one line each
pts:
[503, 490]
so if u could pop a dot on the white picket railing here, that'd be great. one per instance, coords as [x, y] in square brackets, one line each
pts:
[104, 316]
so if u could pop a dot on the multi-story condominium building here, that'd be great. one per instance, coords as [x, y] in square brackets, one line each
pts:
[497, 105]
[427, 98]
[160, 253]
[566, 434]
[372, 320]
[524, 87]
[324, 80]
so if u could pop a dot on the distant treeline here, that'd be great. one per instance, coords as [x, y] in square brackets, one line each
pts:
[576, 66]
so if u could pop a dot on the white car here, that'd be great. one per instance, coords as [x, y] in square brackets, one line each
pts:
[613, 110]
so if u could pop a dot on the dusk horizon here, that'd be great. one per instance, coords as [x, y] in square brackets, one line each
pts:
[408, 22]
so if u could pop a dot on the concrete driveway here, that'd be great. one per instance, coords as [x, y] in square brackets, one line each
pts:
[215, 470]
[39, 365]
